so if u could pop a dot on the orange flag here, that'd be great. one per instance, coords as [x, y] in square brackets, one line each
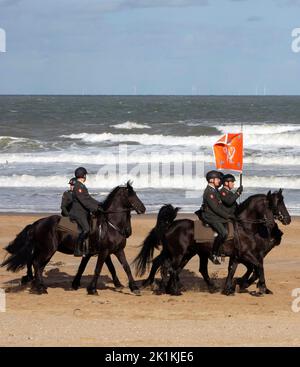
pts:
[228, 152]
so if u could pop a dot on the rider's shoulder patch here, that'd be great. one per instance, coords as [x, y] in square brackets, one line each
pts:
[223, 193]
[80, 190]
[212, 196]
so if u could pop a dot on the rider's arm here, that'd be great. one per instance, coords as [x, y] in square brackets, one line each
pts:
[64, 204]
[229, 199]
[212, 202]
[85, 199]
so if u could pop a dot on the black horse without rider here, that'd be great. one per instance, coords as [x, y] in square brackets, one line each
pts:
[256, 233]
[37, 243]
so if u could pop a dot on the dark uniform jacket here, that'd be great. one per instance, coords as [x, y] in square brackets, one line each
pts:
[66, 203]
[83, 203]
[229, 200]
[213, 209]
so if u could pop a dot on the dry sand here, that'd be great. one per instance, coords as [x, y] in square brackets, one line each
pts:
[197, 318]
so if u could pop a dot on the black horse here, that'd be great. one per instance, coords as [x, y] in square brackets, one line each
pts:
[36, 243]
[256, 232]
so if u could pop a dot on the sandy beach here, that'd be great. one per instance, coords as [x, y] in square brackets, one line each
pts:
[197, 318]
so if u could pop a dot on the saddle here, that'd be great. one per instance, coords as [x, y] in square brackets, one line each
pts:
[67, 225]
[204, 233]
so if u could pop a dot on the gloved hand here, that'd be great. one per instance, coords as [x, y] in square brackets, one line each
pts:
[232, 217]
[240, 190]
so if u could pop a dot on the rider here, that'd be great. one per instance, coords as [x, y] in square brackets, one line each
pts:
[229, 197]
[67, 199]
[83, 205]
[214, 213]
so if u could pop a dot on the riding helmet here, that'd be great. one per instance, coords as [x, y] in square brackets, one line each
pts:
[72, 181]
[80, 172]
[228, 178]
[214, 174]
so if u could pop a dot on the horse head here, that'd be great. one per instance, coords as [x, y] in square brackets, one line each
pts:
[124, 197]
[277, 205]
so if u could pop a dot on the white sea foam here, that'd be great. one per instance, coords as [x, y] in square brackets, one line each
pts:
[163, 156]
[264, 129]
[143, 181]
[129, 125]
[286, 139]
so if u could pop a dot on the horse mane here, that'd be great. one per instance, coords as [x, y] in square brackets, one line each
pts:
[110, 197]
[246, 202]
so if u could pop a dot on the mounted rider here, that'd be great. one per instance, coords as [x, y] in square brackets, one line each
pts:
[83, 205]
[228, 196]
[214, 213]
[67, 199]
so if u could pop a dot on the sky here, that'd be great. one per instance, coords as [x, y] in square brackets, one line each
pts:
[180, 47]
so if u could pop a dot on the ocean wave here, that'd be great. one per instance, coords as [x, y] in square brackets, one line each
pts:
[260, 129]
[137, 157]
[129, 125]
[143, 139]
[250, 140]
[143, 181]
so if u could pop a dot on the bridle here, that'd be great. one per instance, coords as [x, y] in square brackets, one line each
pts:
[112, 225]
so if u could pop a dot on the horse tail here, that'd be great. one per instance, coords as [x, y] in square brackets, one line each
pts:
[20, 250]
[165, 218]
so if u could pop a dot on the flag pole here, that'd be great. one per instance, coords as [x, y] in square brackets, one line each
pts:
[241, 173]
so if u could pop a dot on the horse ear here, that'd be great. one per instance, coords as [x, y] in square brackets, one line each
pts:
[280, 191]
[269, 193]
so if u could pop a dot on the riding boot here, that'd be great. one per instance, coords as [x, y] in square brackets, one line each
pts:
[79, 245]
[215, 250]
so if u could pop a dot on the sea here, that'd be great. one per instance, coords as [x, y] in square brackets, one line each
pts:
[163, 144]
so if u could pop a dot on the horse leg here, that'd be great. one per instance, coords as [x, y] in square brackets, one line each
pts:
[113, 273]
[261, 284]
[156, 263]
[80, 271]
[92, 287]
[229, 288]
[132, 284]
[29, 276]
[204, 272]
[38, 284]
[244, 281]
[174, 270]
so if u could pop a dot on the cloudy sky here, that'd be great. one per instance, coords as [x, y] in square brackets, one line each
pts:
[149, 47]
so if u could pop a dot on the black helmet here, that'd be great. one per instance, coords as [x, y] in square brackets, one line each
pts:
[72, 181]
[228, 178]
[80, 172]
[214, 174]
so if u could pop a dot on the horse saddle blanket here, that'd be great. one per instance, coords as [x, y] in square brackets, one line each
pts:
[65, 224]
[204, 233]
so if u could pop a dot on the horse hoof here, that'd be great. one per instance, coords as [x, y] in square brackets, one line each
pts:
[228, 292]
[256, 294]
[75, 286]
[92, 292]
[174, 293]
[118, 286]
[137, 292]
[213, 289]
[268, 291]
[39, 291]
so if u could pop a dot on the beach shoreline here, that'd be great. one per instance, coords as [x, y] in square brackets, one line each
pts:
[197, 318]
